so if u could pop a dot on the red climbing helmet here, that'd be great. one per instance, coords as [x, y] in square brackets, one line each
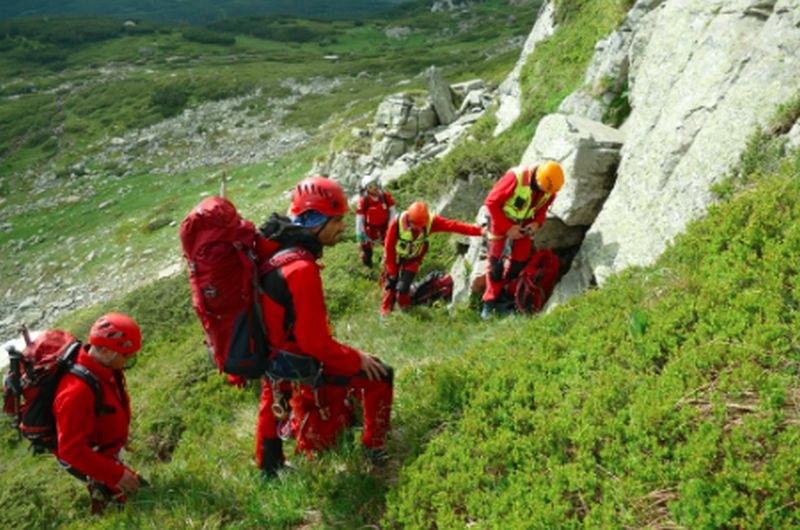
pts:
[117, 332]
[321, 194]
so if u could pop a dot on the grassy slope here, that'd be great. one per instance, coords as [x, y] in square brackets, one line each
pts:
[666, 397]
[180, 404]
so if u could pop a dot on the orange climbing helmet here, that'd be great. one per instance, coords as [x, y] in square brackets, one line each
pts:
[418, 214]
[550, 177]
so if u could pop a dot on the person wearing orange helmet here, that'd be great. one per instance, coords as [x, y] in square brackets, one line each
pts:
[406, 244]
[517, 207]
[299, 331]
[89, 445]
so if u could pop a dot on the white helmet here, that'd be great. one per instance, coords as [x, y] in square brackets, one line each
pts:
[369, 180]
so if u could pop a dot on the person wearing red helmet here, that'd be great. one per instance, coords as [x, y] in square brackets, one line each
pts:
[517, 207]
[376, 209]
[89, 445]
[406, 244]
[297, 322]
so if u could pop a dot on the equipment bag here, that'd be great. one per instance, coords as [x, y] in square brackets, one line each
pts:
[220, 250]
[435, 286]
[224, 254]
[30, 385]
[535, 284]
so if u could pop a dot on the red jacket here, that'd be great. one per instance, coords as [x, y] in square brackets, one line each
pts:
[497, 198]
[87, 442]
[438, 224]
[310, 334]
[375, 209]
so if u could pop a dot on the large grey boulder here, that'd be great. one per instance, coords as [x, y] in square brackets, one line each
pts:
[441, 96]
[589, 153]
[401, 116]
[703, 74]
[509, 91]
[469, 270]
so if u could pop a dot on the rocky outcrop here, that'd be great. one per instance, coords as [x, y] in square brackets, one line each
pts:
[589, 153]
[509, 92]
[441, 96]
[398, 122]
[701, 74]
[409, 128]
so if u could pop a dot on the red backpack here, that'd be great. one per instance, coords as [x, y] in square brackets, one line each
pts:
[437, 285]
[535, 284]
[224, 253]
[29, 387]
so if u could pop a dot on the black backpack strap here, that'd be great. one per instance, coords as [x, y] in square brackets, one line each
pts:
[90, 379]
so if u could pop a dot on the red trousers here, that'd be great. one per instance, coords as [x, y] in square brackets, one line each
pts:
[496, 275]
[399, 289]
[320, 416]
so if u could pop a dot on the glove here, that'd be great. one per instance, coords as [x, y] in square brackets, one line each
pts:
[391, 283]
[363, 237]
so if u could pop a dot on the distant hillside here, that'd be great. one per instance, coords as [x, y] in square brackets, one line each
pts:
[197, 11]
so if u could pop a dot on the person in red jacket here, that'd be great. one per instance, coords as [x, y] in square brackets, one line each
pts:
[298, 328]
[89, 445]
[376, 208]
[406, 244]
[517, 207]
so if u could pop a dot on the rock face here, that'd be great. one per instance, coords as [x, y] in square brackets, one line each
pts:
[509, 93]
[589, 153]
[701, 74]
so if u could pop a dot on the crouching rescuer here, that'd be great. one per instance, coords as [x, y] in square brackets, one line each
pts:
[406, 245]
[89, 444]
[323, 375]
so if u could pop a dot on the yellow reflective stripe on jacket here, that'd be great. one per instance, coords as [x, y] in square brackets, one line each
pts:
[519, 206]
[407, 247]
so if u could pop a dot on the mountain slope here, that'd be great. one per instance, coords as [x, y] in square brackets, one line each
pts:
[667, 399]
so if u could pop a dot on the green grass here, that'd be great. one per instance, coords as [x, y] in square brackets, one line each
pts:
[668, 397]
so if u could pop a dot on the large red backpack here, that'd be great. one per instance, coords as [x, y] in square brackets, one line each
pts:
[536, 282]
[225, 257]
[29, 387]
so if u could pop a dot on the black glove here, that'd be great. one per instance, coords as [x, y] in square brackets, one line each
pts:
[391, 283]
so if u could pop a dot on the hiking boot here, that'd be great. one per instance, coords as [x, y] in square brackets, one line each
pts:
[487, 310]
[377, 456]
